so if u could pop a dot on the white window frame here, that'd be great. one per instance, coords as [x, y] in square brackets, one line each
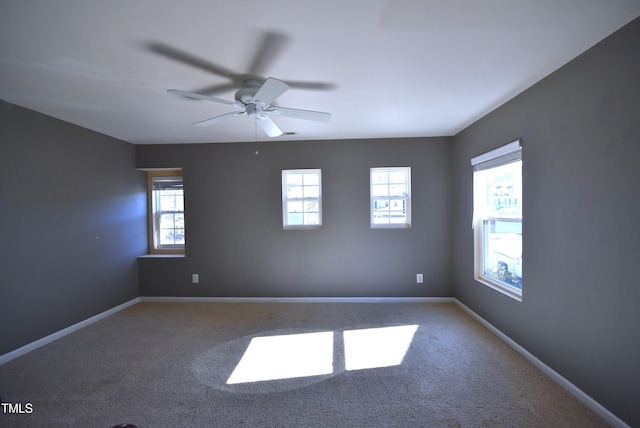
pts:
[404, 198]
[303, 199]
[501, 156]
[154, 213]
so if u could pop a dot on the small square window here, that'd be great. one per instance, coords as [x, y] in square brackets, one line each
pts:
[166, 212]
[302, 199]
[390, 197]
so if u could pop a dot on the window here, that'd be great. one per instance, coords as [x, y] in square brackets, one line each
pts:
[497, 219]
[302, 199]
[391, 197]
[166, 212]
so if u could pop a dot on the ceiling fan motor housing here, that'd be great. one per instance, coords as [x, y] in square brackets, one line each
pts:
[245, 94]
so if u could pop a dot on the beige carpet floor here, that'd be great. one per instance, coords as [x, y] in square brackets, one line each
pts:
[285, 365]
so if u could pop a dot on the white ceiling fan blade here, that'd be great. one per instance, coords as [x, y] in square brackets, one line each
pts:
[213, 120]
[200, 96]
[268, 126]
[300, 114]
[270, 90]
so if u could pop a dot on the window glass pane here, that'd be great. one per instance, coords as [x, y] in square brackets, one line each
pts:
[294, 206]
[379, 177]
[397, 190]
[171, 236]
[503, 251]
[171, 228]
[311, 179]
[380, 190]
[312, 206]
[166, 237]
[294, 179]
[294, 192]
[380, 204]
[166, 221]
[294, 219]
[311, 218]
[397, 212]
[381, 211]
[502, 190]
[397, 177]
[167, 201]
[179, 221]
[179, 202]
[381, 218]
[311, 191]
[397, 207]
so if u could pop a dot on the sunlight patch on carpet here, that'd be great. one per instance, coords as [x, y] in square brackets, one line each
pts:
[285, 357]
[377, 347]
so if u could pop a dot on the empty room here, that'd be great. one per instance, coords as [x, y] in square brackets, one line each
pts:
[396, 213]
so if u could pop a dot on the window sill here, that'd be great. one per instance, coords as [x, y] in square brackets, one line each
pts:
[161, 256]
[391, 226]
[504, 289]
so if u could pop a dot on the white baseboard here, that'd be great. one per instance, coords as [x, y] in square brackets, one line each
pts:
[300, 299]
[58, 334]
[598, 408]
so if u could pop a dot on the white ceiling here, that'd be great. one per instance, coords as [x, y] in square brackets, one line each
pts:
[396, 68]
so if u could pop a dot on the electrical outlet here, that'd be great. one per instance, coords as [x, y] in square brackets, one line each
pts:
[195, 278]
[419, 278]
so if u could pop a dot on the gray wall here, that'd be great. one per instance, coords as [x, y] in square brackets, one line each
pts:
[62, 186]
[235, 239]
[581, 165]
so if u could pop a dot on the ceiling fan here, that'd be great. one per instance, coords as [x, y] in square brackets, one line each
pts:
[255, 99]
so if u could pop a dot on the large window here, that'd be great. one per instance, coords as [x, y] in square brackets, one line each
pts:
[166, 205]
[497, 219]
[390, 197]
[301, 199]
